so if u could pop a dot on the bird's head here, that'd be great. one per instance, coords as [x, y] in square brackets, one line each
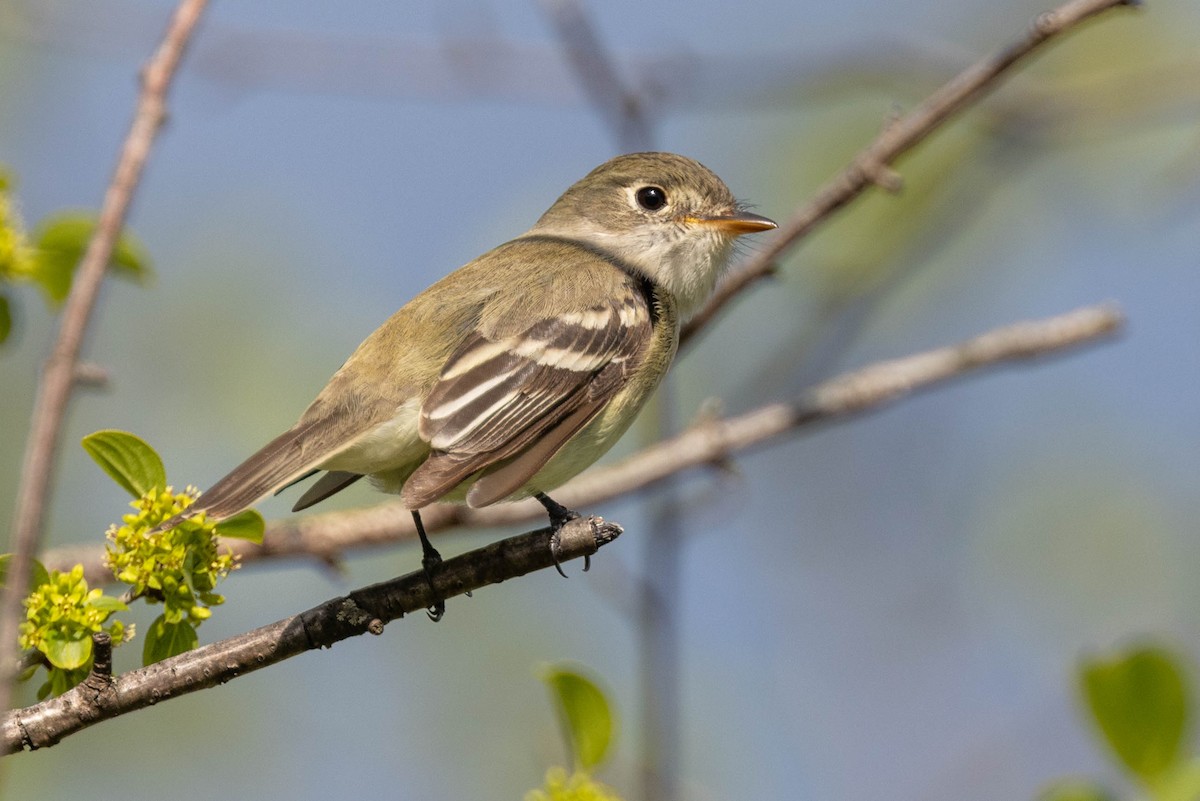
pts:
[666, 216]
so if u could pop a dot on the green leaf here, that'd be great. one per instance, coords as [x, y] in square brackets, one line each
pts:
[60, 242]
[1075, 790]
[58, 681]
[164, 640]
[189, 570]
[248, 525]
[38, 577]
[584, 713]
[108, 603]
[1140, 702]
[128, 459]
[1183, 783]
[6, 320]
[69, 652]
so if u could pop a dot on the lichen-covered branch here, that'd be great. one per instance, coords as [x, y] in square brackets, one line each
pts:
[102, 696]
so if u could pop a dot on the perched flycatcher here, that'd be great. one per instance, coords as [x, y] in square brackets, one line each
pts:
[521, 368]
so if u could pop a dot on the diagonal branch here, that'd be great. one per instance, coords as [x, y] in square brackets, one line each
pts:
[709, 443]
[102, 696]
[325, 536]
[872, 165]
[596, 72]
[61, 370]
[869, 388]
[627, 119]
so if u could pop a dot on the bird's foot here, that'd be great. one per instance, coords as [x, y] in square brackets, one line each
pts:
[430, 561]
[559, 517]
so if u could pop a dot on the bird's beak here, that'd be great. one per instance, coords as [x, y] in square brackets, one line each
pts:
[735, 223]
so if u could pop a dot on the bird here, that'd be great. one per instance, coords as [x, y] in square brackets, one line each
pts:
[521, 368]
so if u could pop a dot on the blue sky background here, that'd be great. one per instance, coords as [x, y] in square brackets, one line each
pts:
[890, 607]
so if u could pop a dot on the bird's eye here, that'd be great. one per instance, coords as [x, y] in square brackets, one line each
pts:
[651, 198]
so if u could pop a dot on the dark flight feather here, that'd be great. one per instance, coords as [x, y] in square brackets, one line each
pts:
[331, 483]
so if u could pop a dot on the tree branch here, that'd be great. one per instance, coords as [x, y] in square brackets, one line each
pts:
[708, 443]
[624, 113]
[61, 371]
[621, 109]
[872, 165]
[102, 697]
[872, 387]
[326, 536]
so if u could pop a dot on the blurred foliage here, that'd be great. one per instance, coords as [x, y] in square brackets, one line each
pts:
[60, 242]
[1139, 701]
[1142, 705]
[5, 318]
[16, 255]
[1112, 81]
[1106, 87]
[578, 786]
[179, 568]
[49, 259]
[588, 730]
[1075, 790]
[1058, 545]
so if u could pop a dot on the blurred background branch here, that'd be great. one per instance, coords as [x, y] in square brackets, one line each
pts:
[707, 443]
[900, 572]
[873, 165]
[61, 372]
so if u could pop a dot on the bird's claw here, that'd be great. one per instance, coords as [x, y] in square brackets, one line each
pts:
[429, 563]
[436, 610]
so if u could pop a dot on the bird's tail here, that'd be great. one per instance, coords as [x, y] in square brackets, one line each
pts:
[281, 461]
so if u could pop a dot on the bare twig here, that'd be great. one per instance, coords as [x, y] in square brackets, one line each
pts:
[659, 585]
[595, 70]
[237, 58]
[327, 536]
[91, 376]
[61, 371]
[102, 697]
[872, 166]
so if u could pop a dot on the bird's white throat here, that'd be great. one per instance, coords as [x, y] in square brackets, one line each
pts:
[683, 258]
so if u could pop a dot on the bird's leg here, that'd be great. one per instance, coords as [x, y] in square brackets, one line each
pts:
[559, 517]
[430, 559]
[559, 514]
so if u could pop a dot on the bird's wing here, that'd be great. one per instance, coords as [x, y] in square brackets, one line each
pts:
[521, 397]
